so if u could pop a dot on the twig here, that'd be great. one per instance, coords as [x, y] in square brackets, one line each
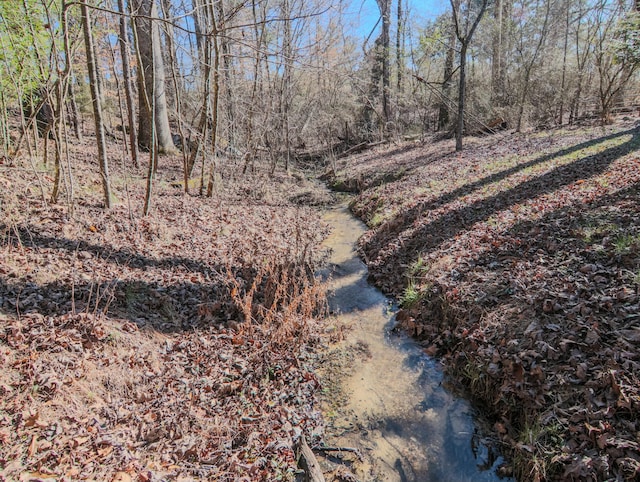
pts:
[323, 448]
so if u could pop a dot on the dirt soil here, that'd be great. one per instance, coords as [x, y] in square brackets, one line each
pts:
[176, 346]
[517, 262]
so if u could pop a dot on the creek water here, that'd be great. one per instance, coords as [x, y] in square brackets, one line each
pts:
[396, 412]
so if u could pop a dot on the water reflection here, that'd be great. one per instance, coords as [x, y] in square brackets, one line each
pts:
[398, 413]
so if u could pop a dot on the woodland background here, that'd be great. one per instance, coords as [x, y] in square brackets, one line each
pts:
[277, 81]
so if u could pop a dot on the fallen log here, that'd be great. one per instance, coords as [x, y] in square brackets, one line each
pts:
[363, 146]
[307, 461]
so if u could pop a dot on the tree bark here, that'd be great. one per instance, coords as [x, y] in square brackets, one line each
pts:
[400, 47]
[206, 93]
[582, 57]
[385, 13]
[461, 95]
[308, 461]
[214, 107]
[256, 89]
[563, 83]
[96, 102]
[225, 52]
[153, 82]
[126, 73]
[286, 92]
[76, 120]
[447, 83]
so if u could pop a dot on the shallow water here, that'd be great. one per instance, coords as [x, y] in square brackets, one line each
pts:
[397, 414]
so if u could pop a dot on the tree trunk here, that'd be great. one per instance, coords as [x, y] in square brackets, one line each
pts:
[256, 90]
[126, 73]
[214, 107]
[385, 13]
[64, 88]
[208, 20]
[96, 102]
[153, 82]
[4, 125]
[447, 83]
[178, 91]
[563, 84]
[286, 81]
[199, 29]
[581, 62]
[400, 47]
[498, 60]
[461, 95]
[76, 120]
[225, 52]
[465, 39]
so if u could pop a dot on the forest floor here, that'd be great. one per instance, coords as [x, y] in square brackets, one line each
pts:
[176, 346]
[182, 345]
[517, 262]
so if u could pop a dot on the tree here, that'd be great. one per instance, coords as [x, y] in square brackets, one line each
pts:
[501, 17]
[465, 27]
[126, 73]
[151, 79]
[92, 66]
[585, 33]
[617, 55]
[287, 81]
[384, 60]
[23, 43]
[447, 82]
[400, 18]
[530, 46]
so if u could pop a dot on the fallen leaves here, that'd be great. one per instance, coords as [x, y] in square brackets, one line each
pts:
[525, 253]
[135, 350]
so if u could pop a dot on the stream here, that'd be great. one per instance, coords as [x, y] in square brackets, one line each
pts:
[395, 410]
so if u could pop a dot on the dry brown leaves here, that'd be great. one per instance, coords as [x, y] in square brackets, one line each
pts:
[524, 252]
[88, 398]
[171, 347]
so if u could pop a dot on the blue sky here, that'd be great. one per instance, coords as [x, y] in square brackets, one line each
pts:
[366, 13]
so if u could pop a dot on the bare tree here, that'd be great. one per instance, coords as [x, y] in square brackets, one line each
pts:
[616, 55]
[126, 73]
[447, 82]
[501, 18]
[465, 27]
[400, 26]
[215, 98]
[257, 85]
[96, 102]
[530, 55]
[227, 67]
[585, 31]
[385, 39]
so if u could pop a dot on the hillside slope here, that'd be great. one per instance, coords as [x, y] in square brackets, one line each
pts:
[518, 262]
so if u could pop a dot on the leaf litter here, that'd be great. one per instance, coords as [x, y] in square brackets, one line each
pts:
[177, 346]
[517, 262]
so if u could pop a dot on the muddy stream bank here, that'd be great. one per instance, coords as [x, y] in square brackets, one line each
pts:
[385, 397]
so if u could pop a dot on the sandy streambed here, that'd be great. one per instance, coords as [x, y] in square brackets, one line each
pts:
[384, 396]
